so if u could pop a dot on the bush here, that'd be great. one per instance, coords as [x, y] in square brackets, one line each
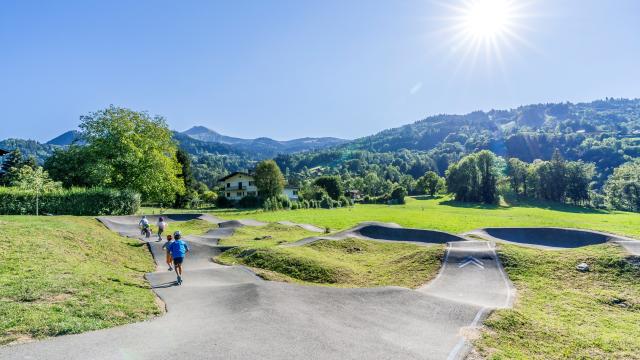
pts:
[222, 202]
[75, 201]
[326, 202]
[398, 194]
[249, 202]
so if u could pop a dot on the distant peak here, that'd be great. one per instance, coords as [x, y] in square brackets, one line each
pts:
[199, 129]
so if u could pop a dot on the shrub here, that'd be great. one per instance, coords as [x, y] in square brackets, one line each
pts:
[222, 202]
[75, 201]
[326, 202]
[398, 194]
[249, 202]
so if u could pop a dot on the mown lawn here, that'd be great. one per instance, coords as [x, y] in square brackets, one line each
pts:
[64, 275]
[561, 313]
[446, 215]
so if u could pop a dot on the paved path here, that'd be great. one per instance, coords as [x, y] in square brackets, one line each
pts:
[228, 313]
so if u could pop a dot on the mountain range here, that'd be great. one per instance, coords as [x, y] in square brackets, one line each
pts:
[605, 132]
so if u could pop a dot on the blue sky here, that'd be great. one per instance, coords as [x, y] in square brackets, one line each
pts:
[288, 69]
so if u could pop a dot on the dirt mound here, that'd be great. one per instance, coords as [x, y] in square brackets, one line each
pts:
[379, 232]
[549, 238]
[239, 223]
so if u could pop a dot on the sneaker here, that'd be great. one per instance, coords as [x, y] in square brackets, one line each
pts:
[179, 280]
[170, 268]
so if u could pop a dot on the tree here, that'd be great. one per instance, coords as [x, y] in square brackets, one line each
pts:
[191, 194]
[13, 162]
[35, 180]
[269, 179]
[517, 173]
[578, 181]
[622, 189]
[73, 167]
[131, 150]
[431, 183]
[474, 178]
[398, 194]
[331, 184]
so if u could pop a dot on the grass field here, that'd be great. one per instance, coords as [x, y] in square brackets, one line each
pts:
[446, 215]
[561, 313]
[64, 275]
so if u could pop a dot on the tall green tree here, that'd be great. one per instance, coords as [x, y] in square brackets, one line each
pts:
[474, 178]
[331, 184]
[622, 189]
[431, 183]
[517, 173]
[132, 150]
[73, 166]
[269, 179]
[13, 163]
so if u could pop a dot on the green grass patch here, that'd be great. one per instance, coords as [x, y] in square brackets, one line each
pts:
[266, 236]
[561, 313]
[446, 215]
[65, 275]
[344, 263]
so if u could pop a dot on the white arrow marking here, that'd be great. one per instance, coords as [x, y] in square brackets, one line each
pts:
[471, 260]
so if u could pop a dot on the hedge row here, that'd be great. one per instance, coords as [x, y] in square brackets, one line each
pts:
[76, 201]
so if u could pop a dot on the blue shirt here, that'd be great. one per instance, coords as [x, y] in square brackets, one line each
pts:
[178, 248]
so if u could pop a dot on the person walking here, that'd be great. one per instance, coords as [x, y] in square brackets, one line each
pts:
[179, 250]
[162, 225]
[166, 247]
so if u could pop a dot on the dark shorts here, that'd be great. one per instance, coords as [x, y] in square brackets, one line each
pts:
[178, 261]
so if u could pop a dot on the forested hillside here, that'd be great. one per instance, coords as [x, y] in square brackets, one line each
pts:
[604, 132]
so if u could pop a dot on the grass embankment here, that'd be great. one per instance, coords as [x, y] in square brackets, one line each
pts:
[561, 313]
[446, 215]
[344, 263]
[64, 275]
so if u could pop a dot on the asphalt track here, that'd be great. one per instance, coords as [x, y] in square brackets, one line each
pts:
[550, 238]
[225, 312]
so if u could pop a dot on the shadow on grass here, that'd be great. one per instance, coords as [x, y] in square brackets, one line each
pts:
[427, 197]
[525, 203]
[473, 205]
[517, 201]
[137, 244]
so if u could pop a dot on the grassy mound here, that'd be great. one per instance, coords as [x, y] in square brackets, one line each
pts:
[64, 275]
[266, 236]
[347, 263]
[561, 313]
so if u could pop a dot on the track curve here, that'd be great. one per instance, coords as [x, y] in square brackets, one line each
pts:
[228, 313]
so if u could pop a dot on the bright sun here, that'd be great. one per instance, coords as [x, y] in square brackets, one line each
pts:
[486, 27]
[486, 19]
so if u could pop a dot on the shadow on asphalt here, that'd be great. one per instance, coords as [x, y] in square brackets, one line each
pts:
[165, 285]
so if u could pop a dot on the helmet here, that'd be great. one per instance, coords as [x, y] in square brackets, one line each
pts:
[161, 218]
[177, 234]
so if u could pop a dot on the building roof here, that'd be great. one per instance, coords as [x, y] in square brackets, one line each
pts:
[234, 174]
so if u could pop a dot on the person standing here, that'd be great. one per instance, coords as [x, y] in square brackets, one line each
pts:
[179, 250]
[162, 225]
[166, 247]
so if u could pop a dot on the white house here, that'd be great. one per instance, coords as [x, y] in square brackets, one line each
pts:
[239, 184]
